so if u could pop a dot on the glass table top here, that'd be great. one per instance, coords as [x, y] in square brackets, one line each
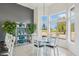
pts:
[44, 46]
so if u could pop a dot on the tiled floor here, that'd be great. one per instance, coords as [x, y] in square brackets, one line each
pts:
[28, 49]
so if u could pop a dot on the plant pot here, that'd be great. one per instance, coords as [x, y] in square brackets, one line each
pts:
[9, 41]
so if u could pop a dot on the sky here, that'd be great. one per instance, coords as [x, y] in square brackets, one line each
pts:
[53, 22]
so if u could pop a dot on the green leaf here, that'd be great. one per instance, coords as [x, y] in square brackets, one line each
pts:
[30, 28]
[9, 27]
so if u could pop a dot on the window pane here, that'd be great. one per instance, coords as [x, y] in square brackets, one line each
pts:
[61, 29]
[53, 25]
[58, 25]
[44, 25]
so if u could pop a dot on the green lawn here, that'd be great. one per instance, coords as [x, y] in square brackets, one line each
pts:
[53, 30]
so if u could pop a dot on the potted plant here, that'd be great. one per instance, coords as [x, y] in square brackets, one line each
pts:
[30, 29]
[9, 27]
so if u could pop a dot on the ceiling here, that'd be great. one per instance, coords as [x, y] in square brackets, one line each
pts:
[51, 8]
[35, 5]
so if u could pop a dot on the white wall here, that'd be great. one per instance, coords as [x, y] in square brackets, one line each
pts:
[75, 46]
